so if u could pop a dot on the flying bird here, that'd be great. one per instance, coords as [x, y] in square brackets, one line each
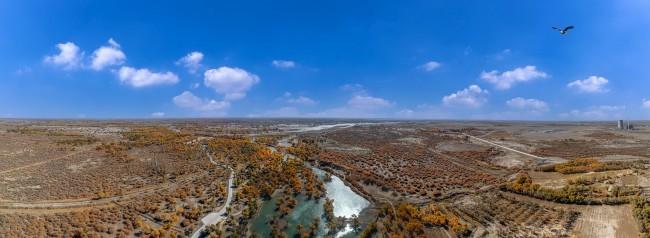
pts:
[566, 29]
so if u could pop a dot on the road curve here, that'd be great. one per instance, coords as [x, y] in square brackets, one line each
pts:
[216, 217]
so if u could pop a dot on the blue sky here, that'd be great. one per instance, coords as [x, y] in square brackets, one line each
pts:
[414, 59]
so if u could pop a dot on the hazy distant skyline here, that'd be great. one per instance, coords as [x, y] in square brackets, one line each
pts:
[424, 60]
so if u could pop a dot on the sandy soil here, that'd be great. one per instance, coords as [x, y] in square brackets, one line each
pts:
[606, 222]
[513, 160]
[458, 146]
[620, 158]
[556, 180]
[596, 221]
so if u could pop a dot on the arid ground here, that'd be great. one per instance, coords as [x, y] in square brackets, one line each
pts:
[160, 178]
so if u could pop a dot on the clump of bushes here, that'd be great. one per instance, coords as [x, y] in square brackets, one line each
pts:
[585, 165]
[572, 193]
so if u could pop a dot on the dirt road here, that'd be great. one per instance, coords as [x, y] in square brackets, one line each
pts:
[216, 217]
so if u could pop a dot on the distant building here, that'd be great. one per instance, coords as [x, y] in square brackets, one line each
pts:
[620, 125]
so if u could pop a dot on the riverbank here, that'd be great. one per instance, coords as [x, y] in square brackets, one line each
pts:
[347, 203]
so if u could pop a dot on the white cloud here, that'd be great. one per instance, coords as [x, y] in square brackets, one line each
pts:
[188, 100]
[501, 55]
[195, 85]
[107, 56]
[532, 104]
[473, 96]
[69, 58]
[352, 87]
[355, 89]
[430, 66]
[302, 100]
[608, 108]
[360, 105]
[283, 64]
[143, 77]
[233, 82]
[191, 61]
[286, 97]
[592, 114]
[645, 103]
[596, 113]
[593, 84]
[507, 79]
[404, 113]
[158, 114]
[113, 43]
[368, 102]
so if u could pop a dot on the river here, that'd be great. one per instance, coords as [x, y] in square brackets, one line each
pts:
[306, 128]
[346, 204]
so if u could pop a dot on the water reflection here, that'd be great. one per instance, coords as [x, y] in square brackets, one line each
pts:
[346, 204]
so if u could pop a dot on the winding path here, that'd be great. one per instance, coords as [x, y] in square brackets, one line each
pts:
[216, 217]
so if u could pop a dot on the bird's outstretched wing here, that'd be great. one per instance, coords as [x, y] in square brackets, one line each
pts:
[555, 28]
[568, 28]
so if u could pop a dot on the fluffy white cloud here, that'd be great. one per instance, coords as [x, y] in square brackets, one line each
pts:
[430, 66]
[507, 79]
[233, 82]
[302, 100]
[107, 56]
[368, 102]
[69, 58]
[645, 103]
[188, 100]
[283, 64]
[158, 114]
[360, 105]
[593, 84]
[143, 77]
[473, 96]
[191, 61]
[532, 104]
